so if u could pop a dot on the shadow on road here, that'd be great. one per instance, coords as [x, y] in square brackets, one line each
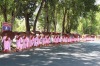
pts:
[80, 54]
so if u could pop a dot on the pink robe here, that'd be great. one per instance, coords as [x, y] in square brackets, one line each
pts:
[36, 41]
[66, 39]
[44, 40]
[54, 39]
[17, 42]
[6, 43]
[31, 42]
[59, 39]
[49, 40]
[40, 40]
[25, 43]
[63, 39]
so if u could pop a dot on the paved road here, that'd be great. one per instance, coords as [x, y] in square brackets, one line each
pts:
[80, 54]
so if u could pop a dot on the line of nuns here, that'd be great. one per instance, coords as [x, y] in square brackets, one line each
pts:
[29, 40]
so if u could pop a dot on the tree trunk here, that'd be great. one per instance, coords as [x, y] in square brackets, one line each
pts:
[5, 15]
[63, 23]
[4, 11]
[12, 19]
[27, 22]
[54, 19]
[45, 24]
[68, 29]
[34, 27]
[54, 22]
[48, 24]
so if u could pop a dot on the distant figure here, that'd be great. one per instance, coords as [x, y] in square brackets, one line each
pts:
[18, 42]
[31, 41]
[6, 43]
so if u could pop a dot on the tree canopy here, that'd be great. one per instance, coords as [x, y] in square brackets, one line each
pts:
[66, 16]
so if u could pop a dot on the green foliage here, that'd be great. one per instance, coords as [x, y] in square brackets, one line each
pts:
[81, 16]
[25, 6]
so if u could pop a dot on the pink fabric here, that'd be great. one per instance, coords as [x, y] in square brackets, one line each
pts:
[66, 39]
[59, 39]
[7, 43]
[18, 42]
[43, 40]
[40, 40]
[69, 39]
[49, 40]
[24, 43]
[27, 42]
[31, 42]
[63, 39]
[36, 41]
[54, 39]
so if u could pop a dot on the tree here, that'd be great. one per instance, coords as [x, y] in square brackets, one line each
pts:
[34, 27]
[26, 11]
[5, 6]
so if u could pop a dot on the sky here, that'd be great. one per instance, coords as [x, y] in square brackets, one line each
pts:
[97, 2]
